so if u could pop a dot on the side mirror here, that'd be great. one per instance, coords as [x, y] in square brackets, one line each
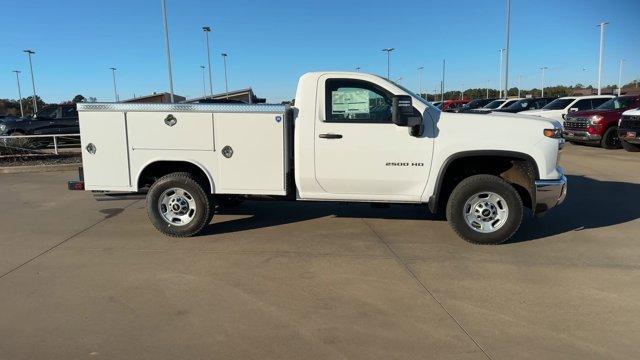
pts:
[401, 110]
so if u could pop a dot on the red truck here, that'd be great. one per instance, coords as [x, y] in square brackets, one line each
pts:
[600, 125]
[449, 105]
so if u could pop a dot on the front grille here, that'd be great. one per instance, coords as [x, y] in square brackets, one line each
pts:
[630, 122]
[577, 123]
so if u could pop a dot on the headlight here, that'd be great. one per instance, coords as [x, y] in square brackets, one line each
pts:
[595, 119]
[555, 133]
[3, 128]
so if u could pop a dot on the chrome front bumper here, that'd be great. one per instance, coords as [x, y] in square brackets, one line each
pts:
[549, 193]
[580, 135]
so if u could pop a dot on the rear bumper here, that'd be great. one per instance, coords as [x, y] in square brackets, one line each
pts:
[580, 135]
[550, 193]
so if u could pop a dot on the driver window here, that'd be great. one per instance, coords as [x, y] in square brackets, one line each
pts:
[356, 101]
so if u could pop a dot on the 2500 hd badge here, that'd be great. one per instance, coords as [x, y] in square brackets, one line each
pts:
[405, 164]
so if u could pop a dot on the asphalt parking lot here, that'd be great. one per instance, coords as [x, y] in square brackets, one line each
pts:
[86, 279]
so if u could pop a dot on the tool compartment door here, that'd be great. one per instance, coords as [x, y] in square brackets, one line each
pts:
[104, 151]
[253, 162]
[170, 131]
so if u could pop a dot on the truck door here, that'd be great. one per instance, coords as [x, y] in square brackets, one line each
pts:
[359, 151]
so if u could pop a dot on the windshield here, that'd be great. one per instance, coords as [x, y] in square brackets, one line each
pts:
[509, 103]
[617, 103]
[472, 104]
[519, 105]
[48, 112]
[414, 95]
[558, 104]
[436, 104]
[494, 104]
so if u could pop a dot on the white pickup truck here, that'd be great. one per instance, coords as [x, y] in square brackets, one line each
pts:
[350, 137]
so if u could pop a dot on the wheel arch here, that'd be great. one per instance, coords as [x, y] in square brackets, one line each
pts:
[524, 185]
[154, 169]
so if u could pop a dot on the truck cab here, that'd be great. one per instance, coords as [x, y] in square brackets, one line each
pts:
[351, 137]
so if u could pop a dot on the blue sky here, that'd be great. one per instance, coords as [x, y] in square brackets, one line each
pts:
[271, 43]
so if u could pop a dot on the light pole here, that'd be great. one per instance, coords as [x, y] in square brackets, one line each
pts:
[488, 81]
[204, 82]
[33, 81]
[207, 30]
[166, 46]
[420, 80]
[19, 92]
[435, 93]
[506, 58]
[115, 89]
[620, 77]
[226, 83]
[462, 92]
[442, 82]
[519, 84]
[543, 69]
[388, 51]
[500, 75]
[601, 25]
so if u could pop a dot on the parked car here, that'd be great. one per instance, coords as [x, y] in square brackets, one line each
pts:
[526, 104]
[560, 107]
[473, 104]
[450, 105]
[495, 105]
[51, 120]
[600, 125]
[200, 153]
[629, 130]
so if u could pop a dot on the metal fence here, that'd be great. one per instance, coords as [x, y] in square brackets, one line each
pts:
[38, 144]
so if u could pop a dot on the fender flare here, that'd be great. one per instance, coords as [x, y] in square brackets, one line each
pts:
[188, 161]
[434, 199]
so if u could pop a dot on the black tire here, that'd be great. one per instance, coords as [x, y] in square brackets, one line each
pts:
[20, 143]
[184, 181]
[630, 147]
[610, 139]
[478, 184]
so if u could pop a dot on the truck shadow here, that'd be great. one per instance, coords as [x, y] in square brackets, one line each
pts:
[590, 204]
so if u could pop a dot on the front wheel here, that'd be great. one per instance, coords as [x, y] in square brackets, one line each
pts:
[484, 209]
[630, 147]
[610, 139]
[178, 205]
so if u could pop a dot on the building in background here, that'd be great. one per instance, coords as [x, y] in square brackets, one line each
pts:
[244, 95]
[156, 98]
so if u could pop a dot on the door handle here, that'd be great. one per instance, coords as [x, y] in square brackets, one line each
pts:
[330, 136]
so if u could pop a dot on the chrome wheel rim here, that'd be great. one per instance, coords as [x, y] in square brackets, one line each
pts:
[485, 212]
[177, 207]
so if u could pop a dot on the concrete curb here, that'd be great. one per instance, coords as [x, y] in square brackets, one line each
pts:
[38, 168]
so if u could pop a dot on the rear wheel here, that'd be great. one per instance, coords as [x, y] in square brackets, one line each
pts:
[630, 147]
[610, 139]
[178, 205]
[484, 209]
[18, 142]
